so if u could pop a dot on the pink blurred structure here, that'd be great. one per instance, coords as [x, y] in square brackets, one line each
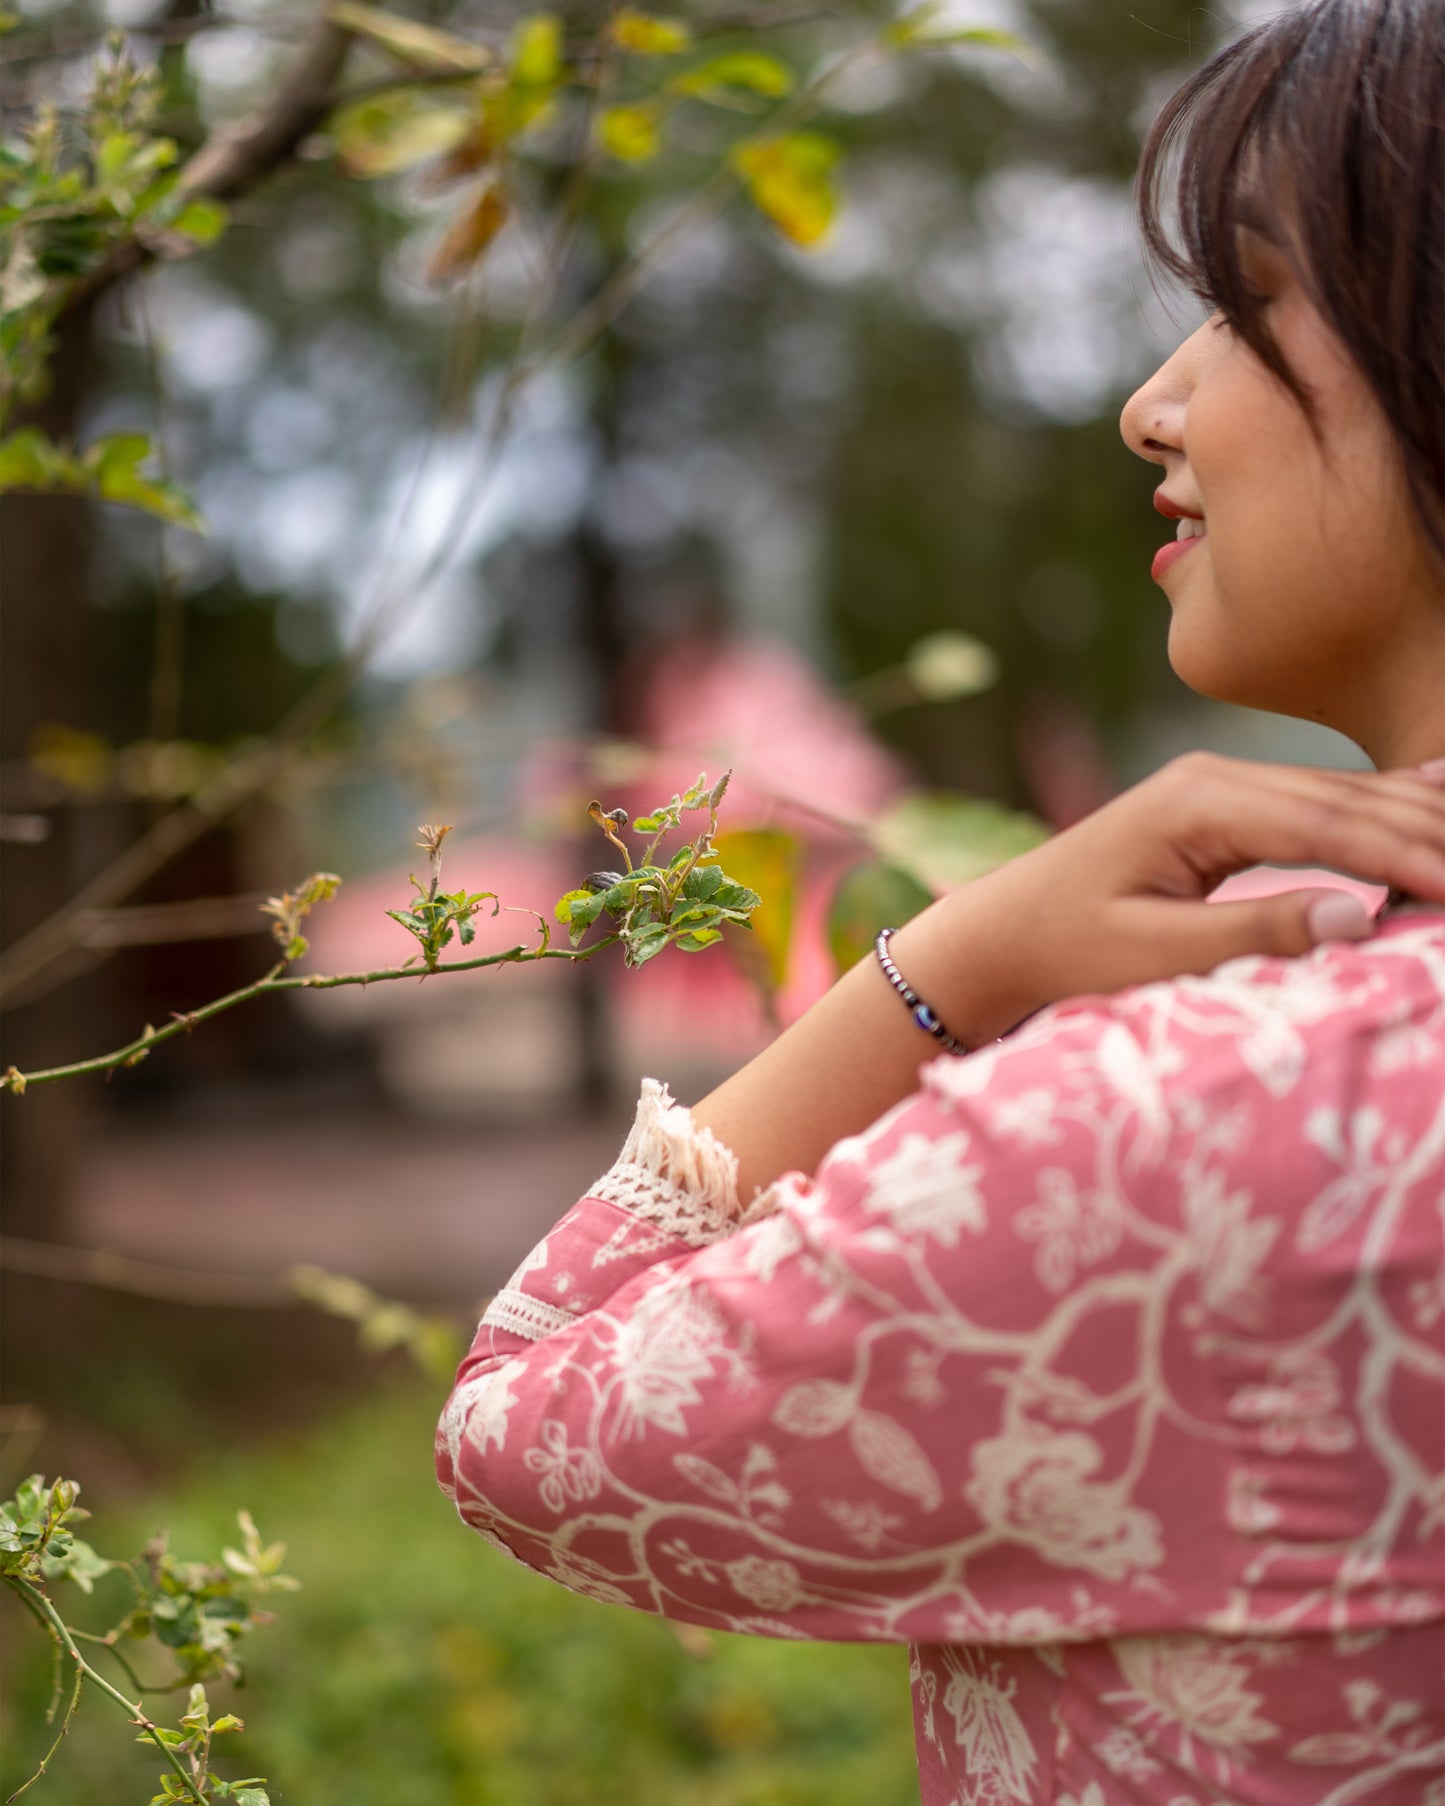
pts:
[802, 760]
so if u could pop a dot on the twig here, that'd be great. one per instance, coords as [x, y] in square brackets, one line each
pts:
[183, 1022]
[107, 1642]
[594, 319]
[58, 1628]
[165, 31]
[54, 938]
[236, 158]
[143, 1278]
[147, 924]
[70, 1710]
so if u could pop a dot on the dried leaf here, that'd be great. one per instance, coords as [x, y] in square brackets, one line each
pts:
[409, 40]
[468, 239]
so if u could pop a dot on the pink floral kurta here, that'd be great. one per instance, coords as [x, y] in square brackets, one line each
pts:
[1107, 1371]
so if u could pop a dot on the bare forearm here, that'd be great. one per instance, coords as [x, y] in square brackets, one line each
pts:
[857, 1052]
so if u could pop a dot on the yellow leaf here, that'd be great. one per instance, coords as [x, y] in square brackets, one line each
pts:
[788, 179]
[766, 860]
[394, 132]
[631, 134]
[537, 51]
[754, 70]
[412, 42]
[467, 240]
[646, 35]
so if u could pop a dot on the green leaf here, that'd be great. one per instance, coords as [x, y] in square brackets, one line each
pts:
[702, 882]
[753, 70]
[870, 897]
[80, 1563]
[644, 34]
[566, 902]
[409, 40]
[696, 939]
[633, 135]
[202, 221]
[944, 840]
[646, 943]
[113, 464]
[582, 908]
[29, 459]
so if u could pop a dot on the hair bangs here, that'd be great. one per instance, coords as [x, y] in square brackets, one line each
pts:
[1323, 128]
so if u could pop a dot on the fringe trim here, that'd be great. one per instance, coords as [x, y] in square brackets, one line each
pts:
[672, 1173]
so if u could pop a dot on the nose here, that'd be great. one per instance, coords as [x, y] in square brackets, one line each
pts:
[1152, 422]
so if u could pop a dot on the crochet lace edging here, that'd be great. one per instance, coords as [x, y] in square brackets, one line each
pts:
[525, 1316]
[673, 1173]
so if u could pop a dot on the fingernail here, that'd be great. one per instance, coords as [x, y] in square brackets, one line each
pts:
[1434, 769]
[1339, 918]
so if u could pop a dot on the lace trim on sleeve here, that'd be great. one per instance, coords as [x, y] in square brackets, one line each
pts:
[525, 1316]
[675, 1175]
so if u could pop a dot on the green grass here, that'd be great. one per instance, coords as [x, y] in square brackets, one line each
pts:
[417, 1667]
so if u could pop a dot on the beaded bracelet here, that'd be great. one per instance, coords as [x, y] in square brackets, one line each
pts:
[921, 1013]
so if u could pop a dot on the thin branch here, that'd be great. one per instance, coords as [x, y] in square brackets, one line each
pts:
[165, 31]
[235, 159]
[148, 924]
[143, 1278]
[56, 937]
[107, 1642]
[593, 320]
[70, 1710]
[183, 1022]
[57, 1626]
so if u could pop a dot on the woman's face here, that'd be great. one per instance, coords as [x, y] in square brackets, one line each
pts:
[1309, 592]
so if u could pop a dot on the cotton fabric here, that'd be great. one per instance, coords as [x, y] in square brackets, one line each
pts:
[1107, 1372]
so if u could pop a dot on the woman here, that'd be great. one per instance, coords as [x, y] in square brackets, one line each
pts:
[1103, 1365]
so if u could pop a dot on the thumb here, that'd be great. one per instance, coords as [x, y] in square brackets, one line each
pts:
[1288, 924]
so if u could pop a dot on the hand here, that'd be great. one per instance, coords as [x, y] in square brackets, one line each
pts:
[1118, 899]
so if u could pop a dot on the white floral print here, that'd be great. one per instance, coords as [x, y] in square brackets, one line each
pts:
[923, 1188]
[673, 1341]
[1106, 1373]
[998, 1754]
[1190, 1690]
[565, 1473]
[1073, 1228]
[1028, 1118]
[772, 1585]
[1033, 1484]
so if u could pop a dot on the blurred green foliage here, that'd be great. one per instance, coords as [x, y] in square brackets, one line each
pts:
[417, 1665]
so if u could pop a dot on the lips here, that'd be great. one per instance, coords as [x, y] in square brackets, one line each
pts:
[1172, 553]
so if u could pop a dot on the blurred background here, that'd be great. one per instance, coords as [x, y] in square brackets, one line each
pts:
[845, 511]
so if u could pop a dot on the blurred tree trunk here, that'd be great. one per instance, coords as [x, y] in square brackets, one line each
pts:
[45, 676]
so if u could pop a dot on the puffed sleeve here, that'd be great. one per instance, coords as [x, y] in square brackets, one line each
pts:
[1054, 1350]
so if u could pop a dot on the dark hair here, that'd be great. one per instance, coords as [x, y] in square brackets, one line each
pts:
[1325, 128]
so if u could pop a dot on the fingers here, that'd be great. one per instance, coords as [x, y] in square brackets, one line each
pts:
[1380, 827]
[1198, 937]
